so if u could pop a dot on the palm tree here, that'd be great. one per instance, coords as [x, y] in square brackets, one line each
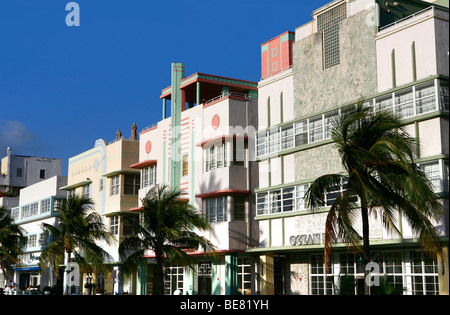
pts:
[78, 231]
[166, 227]
[12, 241]
[381, 179]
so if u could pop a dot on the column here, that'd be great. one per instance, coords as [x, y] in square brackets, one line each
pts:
[443, 271]
[231, 274]
[267, 280]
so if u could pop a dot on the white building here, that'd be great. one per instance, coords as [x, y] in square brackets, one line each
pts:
[37, 205]
[203, 149]
[395, 56]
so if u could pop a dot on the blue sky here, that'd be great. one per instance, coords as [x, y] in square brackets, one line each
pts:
[62, 88]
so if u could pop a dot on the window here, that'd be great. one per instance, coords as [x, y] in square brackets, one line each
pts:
[173, 279]
[15, 213]
[100, 184]
[216, 157]
[315, 129]
[25, 211]
[31, 241]
[87, 191]
[287, 137]
[185, 165]
[45, 205]
[404, 103]
[114, 225]
[261, 148]
[445, 96]
[131, 184]
[433, 172]
[328, 22]
[282, 200]
[148, 176]
[34, 209]
[425, 98]
[300, 192]
[115, 185]
[43, 239]
[244, 273]
[216, 209]
[321, 282]
[42, 174]
[239, 208]
[424, 274]
[19, 172]
[301, 133]
[238, 152]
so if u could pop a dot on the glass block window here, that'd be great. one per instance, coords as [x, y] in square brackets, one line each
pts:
[328, 23]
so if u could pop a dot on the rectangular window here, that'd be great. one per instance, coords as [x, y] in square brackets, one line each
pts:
[328, 22]
[34, 209]
[15, 213]
[301, 133]
[42, 174]
[262, 203]
[433, 172]
[173, 279]
[383, 103]
[87, 191]
[45, 205]
[321, 282]
[244, 276]
[424, 274]
[131, 184]
[148, 176]
[261, 145]
[300, 192]
[114, 225]
[287, 137]
[425, 98]
[315, 129]
[19, 172]
[274, 140]
[216, 209]
[239, 208]
[404, 103]
[185, 165]
[115, 185]
[238, 152]
[32, 241]
[445, 96]
[216, 157]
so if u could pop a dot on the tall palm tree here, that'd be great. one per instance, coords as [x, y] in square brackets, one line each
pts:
[165, 226]
[12, 241]
[381, 179]
[79, 229]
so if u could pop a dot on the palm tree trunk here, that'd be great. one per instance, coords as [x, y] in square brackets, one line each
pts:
[159, 275]
[67, 271]
[366, 245]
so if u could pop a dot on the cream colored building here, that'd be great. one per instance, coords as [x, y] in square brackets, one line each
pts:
[103, 174]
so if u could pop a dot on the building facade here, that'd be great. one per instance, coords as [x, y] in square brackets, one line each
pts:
[395, 57]
[202, 148]
[19, 171]
[103, 174]
[38, 204]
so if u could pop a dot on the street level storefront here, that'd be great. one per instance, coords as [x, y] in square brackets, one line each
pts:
[400, 267]
[224, 273]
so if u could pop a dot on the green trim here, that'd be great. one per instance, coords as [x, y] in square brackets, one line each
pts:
[394, 78]
[280, 215]
[414, 62]
[417, 131]
[431, 78]
[432, 158]
[268, 111]
[410, 242]
[281, 107]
